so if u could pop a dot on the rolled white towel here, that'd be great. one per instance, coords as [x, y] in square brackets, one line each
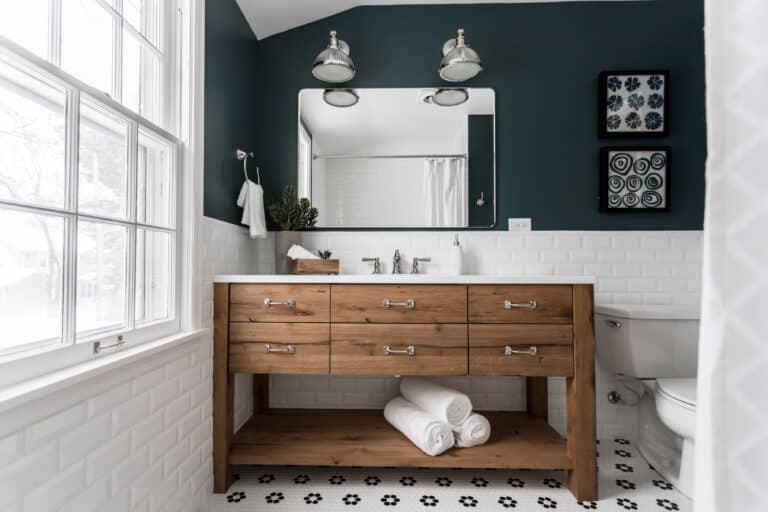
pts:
[431, 435]
[473, 432]
[443, 403]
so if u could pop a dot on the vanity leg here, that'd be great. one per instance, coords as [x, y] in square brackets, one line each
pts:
[580, 394]
[537, 398]
[223, 391]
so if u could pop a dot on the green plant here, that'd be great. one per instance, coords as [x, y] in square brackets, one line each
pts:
[292, 213]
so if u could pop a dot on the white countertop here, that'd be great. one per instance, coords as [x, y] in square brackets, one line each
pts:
[401, 279]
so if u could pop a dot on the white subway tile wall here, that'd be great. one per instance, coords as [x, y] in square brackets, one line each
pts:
[138, 438]
[631, 267]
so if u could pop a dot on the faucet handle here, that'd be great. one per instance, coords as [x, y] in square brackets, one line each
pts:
[376, 264]
[415, 268]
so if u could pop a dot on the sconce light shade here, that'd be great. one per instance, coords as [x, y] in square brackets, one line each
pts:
[460, 62]
[342, 98]
[448, 97]
[333, 65]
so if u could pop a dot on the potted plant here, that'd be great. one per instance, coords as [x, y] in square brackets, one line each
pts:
[292, 215]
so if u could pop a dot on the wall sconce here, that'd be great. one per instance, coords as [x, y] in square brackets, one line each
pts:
[333, 65]
[460, 62]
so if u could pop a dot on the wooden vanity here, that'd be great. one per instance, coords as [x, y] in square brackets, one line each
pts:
[404, 325]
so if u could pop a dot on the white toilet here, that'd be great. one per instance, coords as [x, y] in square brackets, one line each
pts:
[658, 345]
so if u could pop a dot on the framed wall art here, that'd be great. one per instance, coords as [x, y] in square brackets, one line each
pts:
[633, 104]
[635, 179]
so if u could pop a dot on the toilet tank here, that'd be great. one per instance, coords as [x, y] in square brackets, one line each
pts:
[648, 342]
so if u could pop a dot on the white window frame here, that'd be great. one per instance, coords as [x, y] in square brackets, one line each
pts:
[36, 359]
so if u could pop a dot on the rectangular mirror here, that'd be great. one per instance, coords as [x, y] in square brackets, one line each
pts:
[396, 158]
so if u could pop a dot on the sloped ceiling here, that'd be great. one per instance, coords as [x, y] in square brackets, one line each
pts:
[269, 17]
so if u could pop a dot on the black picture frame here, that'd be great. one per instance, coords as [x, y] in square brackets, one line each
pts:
[606, 192]
[602, 102]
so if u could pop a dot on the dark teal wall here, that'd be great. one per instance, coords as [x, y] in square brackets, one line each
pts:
[543, 61]
[231, 106]
[480, 149]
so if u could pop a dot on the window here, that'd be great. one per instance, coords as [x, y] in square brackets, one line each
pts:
[120, 47]
[89, 191]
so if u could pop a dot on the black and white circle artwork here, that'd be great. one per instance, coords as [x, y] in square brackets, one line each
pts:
[636, 179]
[633, 103]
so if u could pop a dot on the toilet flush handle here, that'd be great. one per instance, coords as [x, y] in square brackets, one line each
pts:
[613, 323]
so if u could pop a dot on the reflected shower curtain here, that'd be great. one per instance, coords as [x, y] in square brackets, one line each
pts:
[445, 192]
[732, 407]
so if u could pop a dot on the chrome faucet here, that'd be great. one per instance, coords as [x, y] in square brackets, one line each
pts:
[376, 264]
[396, 262]
[415, 267]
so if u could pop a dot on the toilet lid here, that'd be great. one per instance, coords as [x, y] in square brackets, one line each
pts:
[682, 390]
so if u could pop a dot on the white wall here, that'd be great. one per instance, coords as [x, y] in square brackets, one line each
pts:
[137, 439]
[632, 267]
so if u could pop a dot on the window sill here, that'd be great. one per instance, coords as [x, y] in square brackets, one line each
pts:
[38, 387]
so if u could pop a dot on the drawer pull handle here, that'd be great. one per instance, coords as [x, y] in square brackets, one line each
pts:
[268, 303]
[290, 349]
[530, 351]
[410, 304]
[410, 350]
[531, 304]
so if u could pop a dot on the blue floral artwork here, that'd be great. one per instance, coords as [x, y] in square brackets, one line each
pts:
[633, 104]
[635, 101]
[635, 178]
[653, 120]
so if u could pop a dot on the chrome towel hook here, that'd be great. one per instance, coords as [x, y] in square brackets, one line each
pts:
[244, 155]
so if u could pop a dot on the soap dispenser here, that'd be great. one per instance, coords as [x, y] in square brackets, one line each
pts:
[457, 257]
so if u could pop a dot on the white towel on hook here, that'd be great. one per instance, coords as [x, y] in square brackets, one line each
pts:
[251, 200]
[429, 434]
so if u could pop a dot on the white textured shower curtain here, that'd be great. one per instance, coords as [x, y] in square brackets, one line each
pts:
[732, 408]
[445, 192]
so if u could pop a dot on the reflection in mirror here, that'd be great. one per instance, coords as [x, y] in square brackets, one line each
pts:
[399, 158]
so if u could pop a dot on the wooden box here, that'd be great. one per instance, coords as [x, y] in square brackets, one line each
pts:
[314, 266]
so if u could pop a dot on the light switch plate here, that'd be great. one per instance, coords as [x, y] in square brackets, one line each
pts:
[518, 224]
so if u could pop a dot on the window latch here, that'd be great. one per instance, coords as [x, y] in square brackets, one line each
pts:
[99, 345]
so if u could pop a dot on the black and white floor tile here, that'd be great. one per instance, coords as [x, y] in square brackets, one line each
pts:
[626, 483]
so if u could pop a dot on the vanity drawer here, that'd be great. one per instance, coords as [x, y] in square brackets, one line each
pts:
[529, 350]
[279, 303]
[279, 348]
[399, 304]
[520, 304]
[435, 349]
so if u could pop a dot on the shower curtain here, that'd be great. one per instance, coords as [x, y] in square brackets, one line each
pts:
[732, 408]
[445, 192]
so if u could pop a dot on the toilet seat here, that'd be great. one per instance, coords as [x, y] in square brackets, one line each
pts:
[680, 391]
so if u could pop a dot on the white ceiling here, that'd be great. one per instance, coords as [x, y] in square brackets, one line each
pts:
[269, 17]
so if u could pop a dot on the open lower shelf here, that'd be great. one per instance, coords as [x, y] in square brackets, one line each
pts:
[303, 437]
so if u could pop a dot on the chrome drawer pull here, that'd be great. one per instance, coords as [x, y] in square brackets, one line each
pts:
[410, 350]
[410, 304]
[531, 304]
[530, 351]
[268, 303]
[290, 349]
